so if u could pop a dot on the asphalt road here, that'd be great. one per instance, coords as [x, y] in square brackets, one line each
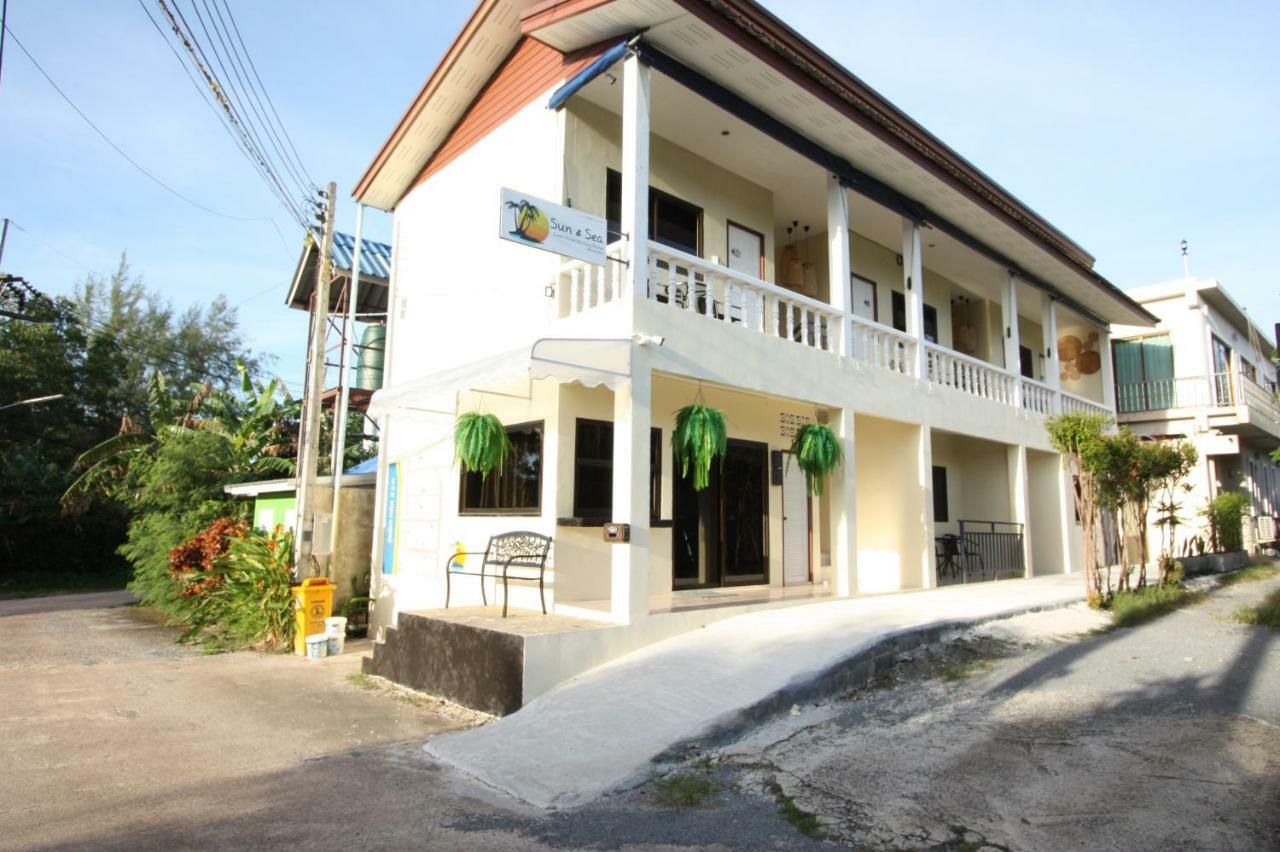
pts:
[1163, 737]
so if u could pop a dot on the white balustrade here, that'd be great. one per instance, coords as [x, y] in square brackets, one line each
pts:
[583, 285]
[690, 284]
[1037, 396]
[1071, 403]
[684, 283]
[970, 375]
[883, 346]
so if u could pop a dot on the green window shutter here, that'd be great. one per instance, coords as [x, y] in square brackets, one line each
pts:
[1157, 361]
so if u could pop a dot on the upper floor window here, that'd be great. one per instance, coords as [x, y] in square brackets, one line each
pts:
[1144, 374]
[672, 221]
[1249, 371]
[517, 490]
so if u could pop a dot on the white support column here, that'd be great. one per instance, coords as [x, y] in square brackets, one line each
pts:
[1068, 517]
[843, 515]
[1049, 328]
[839, 268]
[913, 285]
[1020, 502]
[924, 466]
[635, 178]
[1108, 371]
[1012, 338]
[629, 589]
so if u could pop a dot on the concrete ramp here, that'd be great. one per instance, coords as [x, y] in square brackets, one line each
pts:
[602, 730]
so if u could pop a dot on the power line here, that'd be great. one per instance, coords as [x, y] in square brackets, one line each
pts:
[254, 68]
[4, 19]
[254, 100]
[116, 147]
[226, 97]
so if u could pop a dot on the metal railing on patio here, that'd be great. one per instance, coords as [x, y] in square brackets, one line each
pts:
[987, 550]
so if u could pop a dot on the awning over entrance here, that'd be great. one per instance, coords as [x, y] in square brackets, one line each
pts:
[593, 363]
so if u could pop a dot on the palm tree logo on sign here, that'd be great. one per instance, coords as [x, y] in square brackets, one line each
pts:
[530, 222]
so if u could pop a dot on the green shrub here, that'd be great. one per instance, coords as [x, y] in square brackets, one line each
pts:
[1265, 614]
[1131, 608]
[246, 596]
[1226, 515]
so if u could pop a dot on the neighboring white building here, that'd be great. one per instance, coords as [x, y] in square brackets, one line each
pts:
[1205, 373]
[785, 245]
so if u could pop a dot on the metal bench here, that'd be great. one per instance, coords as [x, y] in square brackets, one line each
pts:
[506, 551]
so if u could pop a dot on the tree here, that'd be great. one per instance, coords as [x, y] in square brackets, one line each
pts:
[1078, 437]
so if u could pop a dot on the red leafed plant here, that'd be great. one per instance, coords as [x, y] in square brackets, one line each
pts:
[191, 561]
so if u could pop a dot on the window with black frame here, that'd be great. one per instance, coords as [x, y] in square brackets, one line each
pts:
[517, 490]
[593, 471]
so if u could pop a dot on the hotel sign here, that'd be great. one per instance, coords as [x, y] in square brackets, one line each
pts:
[551, 227]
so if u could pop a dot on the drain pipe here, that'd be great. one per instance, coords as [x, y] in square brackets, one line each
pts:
[340, 415]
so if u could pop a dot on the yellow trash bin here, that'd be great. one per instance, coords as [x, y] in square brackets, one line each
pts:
[312, 604]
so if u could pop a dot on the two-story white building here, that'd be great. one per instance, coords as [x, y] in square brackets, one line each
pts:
[784, 245]
[1206, 374]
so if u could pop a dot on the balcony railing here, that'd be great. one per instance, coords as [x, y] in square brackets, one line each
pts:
[692, 285]
[688, 285]
[968, 374]
[1220, 390]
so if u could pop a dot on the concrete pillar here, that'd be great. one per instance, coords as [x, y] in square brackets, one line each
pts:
[1108, 369]
[840, 273]
[842, 507]
[1067, 511]
[913, 286]
[1020, 502]
[629, 588]
[1049, 326]
[635, 176]
[924, 464]
[1012, 339]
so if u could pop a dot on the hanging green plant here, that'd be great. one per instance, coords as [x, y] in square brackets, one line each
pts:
[817, 450]
[699, 437]
[481, 443]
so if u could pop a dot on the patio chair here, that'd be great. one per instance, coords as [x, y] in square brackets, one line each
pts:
[955, 555]
[503, 552]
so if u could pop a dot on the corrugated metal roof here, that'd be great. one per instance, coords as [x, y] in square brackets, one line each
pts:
[375, 258]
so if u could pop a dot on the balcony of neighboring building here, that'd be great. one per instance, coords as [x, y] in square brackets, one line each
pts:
[741, 234]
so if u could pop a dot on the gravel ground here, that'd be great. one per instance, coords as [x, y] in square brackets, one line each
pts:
[1026, 735]
[1019, 735]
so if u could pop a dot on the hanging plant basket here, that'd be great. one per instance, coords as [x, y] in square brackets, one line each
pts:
[817, 450]
[481, 443]
[699, 438]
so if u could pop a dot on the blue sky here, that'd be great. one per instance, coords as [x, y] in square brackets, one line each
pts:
[1129, 126]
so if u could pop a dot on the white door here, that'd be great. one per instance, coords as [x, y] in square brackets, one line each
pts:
[864, 298]
[795, 523]
[746, 255]
[746, 251]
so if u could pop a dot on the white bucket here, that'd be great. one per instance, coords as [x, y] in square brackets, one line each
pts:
[335, 644]
[335, 626]
[317, 646]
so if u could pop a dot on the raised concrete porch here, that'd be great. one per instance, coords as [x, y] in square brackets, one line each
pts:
[602, 729]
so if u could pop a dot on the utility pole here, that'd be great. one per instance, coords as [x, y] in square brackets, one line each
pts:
[4, 235]
[344, 380]
[309, 428]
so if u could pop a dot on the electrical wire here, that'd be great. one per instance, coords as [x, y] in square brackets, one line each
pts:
[225, 97]
[254, 99]
[116, 147]
[254, 68]
[4, 19]
[204, 96]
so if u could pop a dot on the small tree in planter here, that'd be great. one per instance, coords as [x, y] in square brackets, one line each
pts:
[817, 451]
[698, 438]
[481, 443]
